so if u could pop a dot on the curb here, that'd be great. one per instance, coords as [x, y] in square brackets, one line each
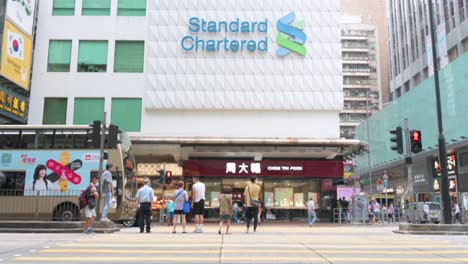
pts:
[60, 230]
[444, 233]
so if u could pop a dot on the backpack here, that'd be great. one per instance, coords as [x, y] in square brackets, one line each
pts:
[83, 201]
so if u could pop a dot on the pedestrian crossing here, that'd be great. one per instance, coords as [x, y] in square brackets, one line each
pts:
[271, 244]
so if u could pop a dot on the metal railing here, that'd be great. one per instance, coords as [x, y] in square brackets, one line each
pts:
[342, 216]
[39, 205]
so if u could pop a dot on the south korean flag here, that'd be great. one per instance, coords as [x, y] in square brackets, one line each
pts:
[15, 46]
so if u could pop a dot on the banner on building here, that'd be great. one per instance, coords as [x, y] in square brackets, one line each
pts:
[21, 12]
[430, 62]
[16, 56]
[442, 44]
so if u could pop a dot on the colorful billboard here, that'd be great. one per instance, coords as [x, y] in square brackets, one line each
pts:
[21, 12]
[13, 104]
[65, 170]
[16, 56]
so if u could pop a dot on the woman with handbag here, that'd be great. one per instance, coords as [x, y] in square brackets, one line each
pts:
[251, 193]
[180, 197]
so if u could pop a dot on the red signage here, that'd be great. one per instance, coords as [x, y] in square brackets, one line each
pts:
[327, 185]
[264, 168]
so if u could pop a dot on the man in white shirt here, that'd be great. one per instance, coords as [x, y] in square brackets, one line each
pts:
[198, 203]
[311, 212]
[426, 212]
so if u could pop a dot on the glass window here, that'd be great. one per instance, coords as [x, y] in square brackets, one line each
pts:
[59, 56]
[55, 111]
[13, 185]
[87, 110]
[92, 56]
[63, 8]
[129, 56]
[131, 8]
[96, 8]
[126, 113]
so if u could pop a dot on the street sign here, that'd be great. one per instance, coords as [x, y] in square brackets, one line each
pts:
[380, 187]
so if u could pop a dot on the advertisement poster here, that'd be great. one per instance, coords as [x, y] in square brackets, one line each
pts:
[16, 56]
[269, 199]
[299, 200]
[64, 170]
[21, 12]
[284, 197]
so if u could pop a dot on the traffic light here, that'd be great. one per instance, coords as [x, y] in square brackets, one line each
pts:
[398, 140]
[96, 134]
[113, 136]
[168, 177]
[416, 144]
[162, 175]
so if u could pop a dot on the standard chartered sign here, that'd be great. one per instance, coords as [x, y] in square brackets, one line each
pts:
[237, 27]
[235, 35]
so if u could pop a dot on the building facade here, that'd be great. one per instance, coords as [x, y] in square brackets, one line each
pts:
[257, 84]
[409, 31]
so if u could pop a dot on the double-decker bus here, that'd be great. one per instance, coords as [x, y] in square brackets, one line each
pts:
[70, 159]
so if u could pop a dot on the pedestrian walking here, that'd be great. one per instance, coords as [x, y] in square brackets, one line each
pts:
[144, 197]
[311, 211]
[198, 203]
[107, 190]
[180, 197]
[260, 210]
[225, 209]
[391, 212]
[457, 213]
[426, 212]
[92, 196]
[170, 212]
[235, 213]
[252, 202]
[376, 208]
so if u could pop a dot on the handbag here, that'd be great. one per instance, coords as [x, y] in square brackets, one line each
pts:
[187, 207]
[253, 202]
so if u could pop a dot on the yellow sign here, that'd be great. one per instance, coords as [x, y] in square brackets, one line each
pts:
[16, 56]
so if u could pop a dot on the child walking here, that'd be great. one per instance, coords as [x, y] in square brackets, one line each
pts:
[225, 209]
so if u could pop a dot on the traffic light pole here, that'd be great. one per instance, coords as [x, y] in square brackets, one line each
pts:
[101, 161]
[409, 161]
[161, 211]
[444, 187]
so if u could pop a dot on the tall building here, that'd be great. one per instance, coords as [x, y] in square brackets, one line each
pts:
[361, 79]
[365, 61]
[226, 89]
[408, 30]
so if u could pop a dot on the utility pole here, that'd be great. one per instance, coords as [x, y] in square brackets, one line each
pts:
[368, 146]
[444, 186]
[101, 161]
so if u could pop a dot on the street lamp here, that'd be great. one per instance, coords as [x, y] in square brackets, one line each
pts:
[444, 190]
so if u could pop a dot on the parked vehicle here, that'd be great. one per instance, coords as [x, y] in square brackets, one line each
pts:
[415, 213]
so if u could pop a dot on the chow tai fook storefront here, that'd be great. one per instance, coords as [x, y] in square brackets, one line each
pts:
[286, 185]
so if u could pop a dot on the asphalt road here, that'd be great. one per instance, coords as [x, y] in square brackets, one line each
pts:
[272, 243]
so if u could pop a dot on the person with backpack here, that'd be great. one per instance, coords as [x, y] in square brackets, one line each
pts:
[91, 196]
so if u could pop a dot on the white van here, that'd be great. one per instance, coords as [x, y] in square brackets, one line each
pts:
[415, 213]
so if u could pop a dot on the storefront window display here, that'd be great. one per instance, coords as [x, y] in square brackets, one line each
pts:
[290, 193]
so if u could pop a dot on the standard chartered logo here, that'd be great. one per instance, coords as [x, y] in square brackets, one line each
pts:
[291, 36]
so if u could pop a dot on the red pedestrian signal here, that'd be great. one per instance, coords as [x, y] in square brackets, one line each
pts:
[168, 177]
[416, 144]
